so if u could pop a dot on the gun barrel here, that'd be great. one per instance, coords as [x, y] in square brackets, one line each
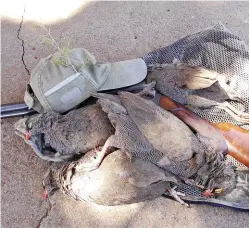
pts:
[17, 109]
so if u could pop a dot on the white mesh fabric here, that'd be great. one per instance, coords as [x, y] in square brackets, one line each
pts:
[216, 49]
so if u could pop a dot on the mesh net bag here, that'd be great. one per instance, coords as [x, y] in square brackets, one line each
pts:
[215, 48]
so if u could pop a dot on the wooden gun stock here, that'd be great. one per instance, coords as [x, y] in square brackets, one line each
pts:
[236, 138]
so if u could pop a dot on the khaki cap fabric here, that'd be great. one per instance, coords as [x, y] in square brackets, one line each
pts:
[60, 82]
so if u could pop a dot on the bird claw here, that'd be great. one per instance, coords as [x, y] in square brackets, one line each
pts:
[212, 192]
[208, 193]
[238, 115]
[48, 192]
[148, 90]
[176, 195]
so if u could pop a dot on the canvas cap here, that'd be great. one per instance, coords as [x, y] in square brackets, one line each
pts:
[125, 73]
[60, 82]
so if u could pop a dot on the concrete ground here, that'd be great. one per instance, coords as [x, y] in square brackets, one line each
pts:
[113, 31]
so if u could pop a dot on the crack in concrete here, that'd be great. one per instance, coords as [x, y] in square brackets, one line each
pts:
[44, 216]
[23, 48]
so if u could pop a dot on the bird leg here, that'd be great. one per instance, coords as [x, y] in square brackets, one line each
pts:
[148, 90]
[205, 193]
[233, 112]
[176, 195]
[208, 193]
[202, 102]
[92, 160]
[49, 184]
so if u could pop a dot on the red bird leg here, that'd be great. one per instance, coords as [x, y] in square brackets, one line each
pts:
[208, 193]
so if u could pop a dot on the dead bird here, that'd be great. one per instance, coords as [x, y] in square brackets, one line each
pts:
[118, 180]
[76, 132]
[151, 133]
[196, 86]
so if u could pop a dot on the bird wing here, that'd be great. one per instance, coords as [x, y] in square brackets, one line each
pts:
[162, 129]
[127, 135]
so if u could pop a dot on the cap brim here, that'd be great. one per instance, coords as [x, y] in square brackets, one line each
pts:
[125, 73]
